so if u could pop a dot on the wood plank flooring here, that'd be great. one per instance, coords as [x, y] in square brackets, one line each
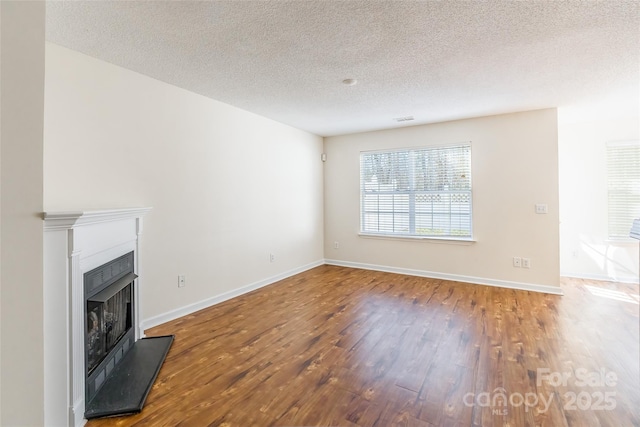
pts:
[345, 347]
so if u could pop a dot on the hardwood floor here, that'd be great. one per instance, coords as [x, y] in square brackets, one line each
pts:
[345, 347]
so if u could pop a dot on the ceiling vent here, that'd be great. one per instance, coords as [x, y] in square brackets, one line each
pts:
[403, 119]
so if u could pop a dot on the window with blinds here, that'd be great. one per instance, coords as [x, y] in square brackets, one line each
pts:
[623, 184]
[423, 192]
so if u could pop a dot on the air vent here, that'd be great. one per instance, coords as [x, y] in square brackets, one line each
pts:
[403, 119]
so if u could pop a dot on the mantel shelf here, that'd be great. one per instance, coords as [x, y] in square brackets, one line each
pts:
[72, 219]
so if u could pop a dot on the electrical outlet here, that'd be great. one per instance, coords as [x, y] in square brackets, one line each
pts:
[517, 261]
[526, 263]
[272, 258]
[542, 208]
[336, 245]
[181, 281]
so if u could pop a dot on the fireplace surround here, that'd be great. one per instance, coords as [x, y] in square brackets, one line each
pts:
[75, 244]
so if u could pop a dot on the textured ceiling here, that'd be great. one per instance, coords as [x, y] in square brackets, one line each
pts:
[434, 60]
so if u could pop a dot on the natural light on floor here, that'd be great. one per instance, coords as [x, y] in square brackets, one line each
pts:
[616, 295]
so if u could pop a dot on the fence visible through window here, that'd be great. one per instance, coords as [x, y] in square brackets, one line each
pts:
[423, 192]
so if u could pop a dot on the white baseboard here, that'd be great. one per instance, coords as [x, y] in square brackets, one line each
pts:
[547, 289]
[192, 308]
[601, 277]
[76, 413]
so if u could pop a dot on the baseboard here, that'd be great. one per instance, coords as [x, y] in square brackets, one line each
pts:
[601, 277]
[192, 308]
[76, 413]
[455, 277]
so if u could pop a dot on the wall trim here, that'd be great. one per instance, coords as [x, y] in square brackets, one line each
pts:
[601, 277]
[547, 289]
[76, 413]
[208, 302]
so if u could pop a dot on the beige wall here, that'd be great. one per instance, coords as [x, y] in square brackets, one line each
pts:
[22, 93]
[583, 132]
[227, 187]
[514, 166]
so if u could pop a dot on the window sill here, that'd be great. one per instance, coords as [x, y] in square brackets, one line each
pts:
[447, 240]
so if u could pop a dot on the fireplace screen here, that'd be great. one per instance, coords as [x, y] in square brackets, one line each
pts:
[107, 322]
[110, 317]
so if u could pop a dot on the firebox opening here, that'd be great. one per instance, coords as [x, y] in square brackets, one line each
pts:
[107, 322]
[109, 317]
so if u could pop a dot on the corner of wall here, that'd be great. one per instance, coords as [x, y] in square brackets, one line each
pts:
[22, 32]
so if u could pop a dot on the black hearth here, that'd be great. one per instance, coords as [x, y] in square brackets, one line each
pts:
[119, 370]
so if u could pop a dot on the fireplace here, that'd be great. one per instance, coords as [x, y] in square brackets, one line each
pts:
[98, 361]
[109, 293]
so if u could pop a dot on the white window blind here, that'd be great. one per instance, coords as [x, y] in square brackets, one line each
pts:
[623, 183]
[424, 192]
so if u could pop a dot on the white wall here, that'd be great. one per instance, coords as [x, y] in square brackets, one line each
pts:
[583, 131]
[22, 98]
[227, 187]
[514, 166]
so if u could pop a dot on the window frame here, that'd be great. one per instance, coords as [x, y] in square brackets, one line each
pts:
[412, 213]
[611, 222]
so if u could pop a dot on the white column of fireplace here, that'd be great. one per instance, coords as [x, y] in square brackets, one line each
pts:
[75, 243]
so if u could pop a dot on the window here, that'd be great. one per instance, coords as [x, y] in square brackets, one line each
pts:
[623, 184]
[423, 192]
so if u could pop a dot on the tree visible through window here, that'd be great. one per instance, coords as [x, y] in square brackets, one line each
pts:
[424, 192]
[623, 184]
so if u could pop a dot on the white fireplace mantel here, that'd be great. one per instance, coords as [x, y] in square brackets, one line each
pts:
[75, 243]
[71, 219]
